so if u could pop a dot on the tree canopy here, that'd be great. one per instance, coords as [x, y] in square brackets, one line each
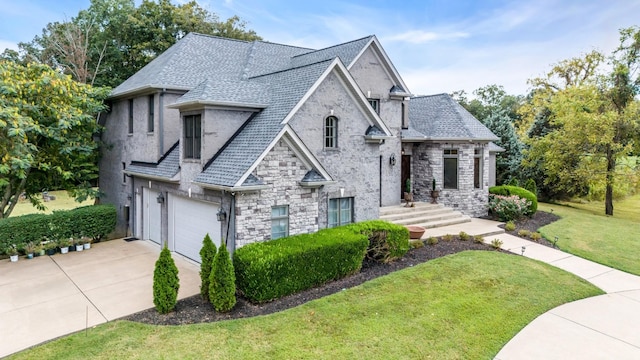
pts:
[47, 123]
[113, 39]
[583, 120]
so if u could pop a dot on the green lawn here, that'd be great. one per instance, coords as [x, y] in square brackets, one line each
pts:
[463, 306]
[62, 202]
[585, 231]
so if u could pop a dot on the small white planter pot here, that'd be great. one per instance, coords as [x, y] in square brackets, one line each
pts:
[14, 258]
[79, 247]
[64, 250]
[87, 246]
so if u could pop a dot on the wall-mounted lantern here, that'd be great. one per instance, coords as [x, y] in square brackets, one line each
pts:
[221, 215]
[160, 198]
[392, 160]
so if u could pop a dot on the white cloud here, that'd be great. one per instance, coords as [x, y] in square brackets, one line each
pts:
[421, 37]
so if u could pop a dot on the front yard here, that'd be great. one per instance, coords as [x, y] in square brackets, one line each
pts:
[463, 306]
[585, 231]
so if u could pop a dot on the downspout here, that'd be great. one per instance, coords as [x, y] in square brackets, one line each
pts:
[231, 220]
[161, 121]
[132, 208]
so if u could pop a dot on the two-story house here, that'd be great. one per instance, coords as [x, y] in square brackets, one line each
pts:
[252, 141]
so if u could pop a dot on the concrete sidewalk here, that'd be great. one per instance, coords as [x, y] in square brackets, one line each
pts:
[48, 297]
[601, 327]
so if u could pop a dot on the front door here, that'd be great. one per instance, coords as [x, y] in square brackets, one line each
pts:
[406, 174]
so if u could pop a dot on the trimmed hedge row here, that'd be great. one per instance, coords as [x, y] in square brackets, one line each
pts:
[507, 190]
[94, 221]
[387, 241]
[269, 270]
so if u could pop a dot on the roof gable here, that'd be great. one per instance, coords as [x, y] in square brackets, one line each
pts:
[387, 65]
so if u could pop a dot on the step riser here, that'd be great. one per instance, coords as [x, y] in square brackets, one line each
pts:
[394, 217]
[426, 215]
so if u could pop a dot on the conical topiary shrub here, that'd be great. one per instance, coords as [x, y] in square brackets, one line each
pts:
[207, 254]
[222, 284]
[165, 283]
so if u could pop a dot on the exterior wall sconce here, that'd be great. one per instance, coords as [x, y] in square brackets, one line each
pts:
[160, 198]
[402, 152]
[221, 215]
[392, 160]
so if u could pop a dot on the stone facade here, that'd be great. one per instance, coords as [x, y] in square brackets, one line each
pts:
[282, 170]
[428, 164]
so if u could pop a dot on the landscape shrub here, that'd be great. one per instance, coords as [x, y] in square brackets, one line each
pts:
[272, 269]
[431, 240]
[478, 239]
[510, 226]
[95, 221]
[222, 281]
[165, 283]
[531, 186]
[506, 190]
[508, 208]
[387, 241]
[464, 236]
[207, 253]
[524, 233]
[447, 237]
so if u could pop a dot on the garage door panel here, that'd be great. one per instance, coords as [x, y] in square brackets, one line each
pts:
[191, 221]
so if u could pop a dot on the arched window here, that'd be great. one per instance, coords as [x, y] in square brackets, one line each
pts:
[331, 132]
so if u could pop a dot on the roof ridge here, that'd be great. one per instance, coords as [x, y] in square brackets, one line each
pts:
[332, 46]
[294, 68]
[218, 37]
[286, 45]
[427, 96]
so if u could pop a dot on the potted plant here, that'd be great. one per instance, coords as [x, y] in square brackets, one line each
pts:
[434, 193]
[408, 195]
[39, 250]
[29, 249]
[79, 244]
[63, 244]
[72, 244]
[86, 242]
[12, 251]
[50, 248]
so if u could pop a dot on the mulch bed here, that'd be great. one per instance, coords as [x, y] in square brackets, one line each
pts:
[538, 220]
[193, 309]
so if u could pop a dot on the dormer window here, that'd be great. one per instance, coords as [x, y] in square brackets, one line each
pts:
[192, 136]
[331, 132]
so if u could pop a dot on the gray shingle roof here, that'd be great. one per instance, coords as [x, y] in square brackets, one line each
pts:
[440, 117]
[493, 147]
[347, 52]
[167, 167]
[228, 91]
[287, 88]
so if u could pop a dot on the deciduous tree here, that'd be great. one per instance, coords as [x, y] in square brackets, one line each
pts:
[47, 123]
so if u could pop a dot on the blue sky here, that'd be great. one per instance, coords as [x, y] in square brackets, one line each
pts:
[436, 45]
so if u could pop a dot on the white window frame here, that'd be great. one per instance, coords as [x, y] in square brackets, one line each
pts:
[278, 219]
[343, 209]
[331, 132]
[375, 104]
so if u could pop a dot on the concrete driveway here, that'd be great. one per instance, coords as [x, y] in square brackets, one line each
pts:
[51, 296]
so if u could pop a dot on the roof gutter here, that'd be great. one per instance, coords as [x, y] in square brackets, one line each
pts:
[231, 188]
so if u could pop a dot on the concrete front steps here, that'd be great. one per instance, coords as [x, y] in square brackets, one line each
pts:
[423, 214]
[438, 220]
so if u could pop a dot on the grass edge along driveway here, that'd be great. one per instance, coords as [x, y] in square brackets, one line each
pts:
[610, 241]
[462, 306]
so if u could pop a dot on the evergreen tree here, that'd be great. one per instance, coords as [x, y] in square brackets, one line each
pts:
[222, 284]
[165, 283]
[207, 253]
[508, 162]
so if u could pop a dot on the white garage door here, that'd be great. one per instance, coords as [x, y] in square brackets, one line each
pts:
[151, 214]
[189, 221]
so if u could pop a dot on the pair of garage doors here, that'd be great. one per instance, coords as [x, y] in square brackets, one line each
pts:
[188, 222]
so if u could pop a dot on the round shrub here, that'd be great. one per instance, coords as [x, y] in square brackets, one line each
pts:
[506, 190]
[207, 253]
[508, 208]
[165, 283]
[222, 283]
